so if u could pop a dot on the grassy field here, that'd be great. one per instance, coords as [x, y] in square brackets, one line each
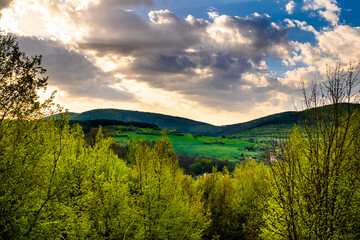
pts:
[265, 132]
[214, 147]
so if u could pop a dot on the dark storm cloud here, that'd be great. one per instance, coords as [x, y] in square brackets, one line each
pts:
[4, 3]
[170, 51]
[223, 62]
[117, 31]
[71, 71]
[163, 64]
[127, 3]
[262, 34]
[99, 91]
[124, 32]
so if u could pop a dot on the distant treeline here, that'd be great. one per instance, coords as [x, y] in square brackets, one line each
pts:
[87, 125]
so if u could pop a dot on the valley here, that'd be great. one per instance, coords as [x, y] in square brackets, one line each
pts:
[188, 144]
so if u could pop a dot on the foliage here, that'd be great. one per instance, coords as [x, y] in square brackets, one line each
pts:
[315, 183]
[197, 165]
[87, 125]
[251, 193]
[235, 203]
[53, 185]
[165, 198]
[217, 194]
[19, 82]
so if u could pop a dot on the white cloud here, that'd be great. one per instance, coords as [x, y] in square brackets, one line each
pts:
[304, 53]
[308, 74]
[304, 26]
[290, 6]
[328, 9]
[341, 43]
[213, 14]
[289, 23]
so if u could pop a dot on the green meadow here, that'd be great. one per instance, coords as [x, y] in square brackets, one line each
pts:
[212, 147]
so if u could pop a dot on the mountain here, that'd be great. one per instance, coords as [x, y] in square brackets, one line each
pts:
[279, 121]
[284, 118]
[164, 121]
[272, 124]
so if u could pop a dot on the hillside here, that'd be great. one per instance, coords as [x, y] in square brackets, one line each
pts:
[276, 122]
[163, 121]
[279, 119]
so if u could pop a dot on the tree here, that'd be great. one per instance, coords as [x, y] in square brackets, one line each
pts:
[52, 184]
[234, 202]
[165, 199]
[251, 194]
[316, 180]
[21, 141]
[20, 82]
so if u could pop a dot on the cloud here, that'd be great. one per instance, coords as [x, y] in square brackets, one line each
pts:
[123, 32]
[4, 3]
[328, 9]
[289, 23]
[215, 64]
[290, 6]
[72, 72]
[307, 74]
[304, 26]
[339, 44]
[127, 3]
[342, 43]
[253, 36]
[164, 64]
[202, 60]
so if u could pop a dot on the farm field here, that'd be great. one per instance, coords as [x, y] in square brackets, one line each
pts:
[212, 147]
[265, 133]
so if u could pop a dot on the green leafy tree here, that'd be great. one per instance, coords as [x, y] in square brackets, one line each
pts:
[56, 186]
[21, 141]
[315, 182]
[20, 79]
[104, 200]
[166, 202]
[251, 194]
[218, 195]
[235, 203]
[52, 184]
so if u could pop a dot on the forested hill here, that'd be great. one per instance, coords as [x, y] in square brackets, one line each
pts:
[182, 124]
[190, 126]
[163, 121]
[278, 119]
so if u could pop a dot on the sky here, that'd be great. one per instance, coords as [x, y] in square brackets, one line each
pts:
[220, 62]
